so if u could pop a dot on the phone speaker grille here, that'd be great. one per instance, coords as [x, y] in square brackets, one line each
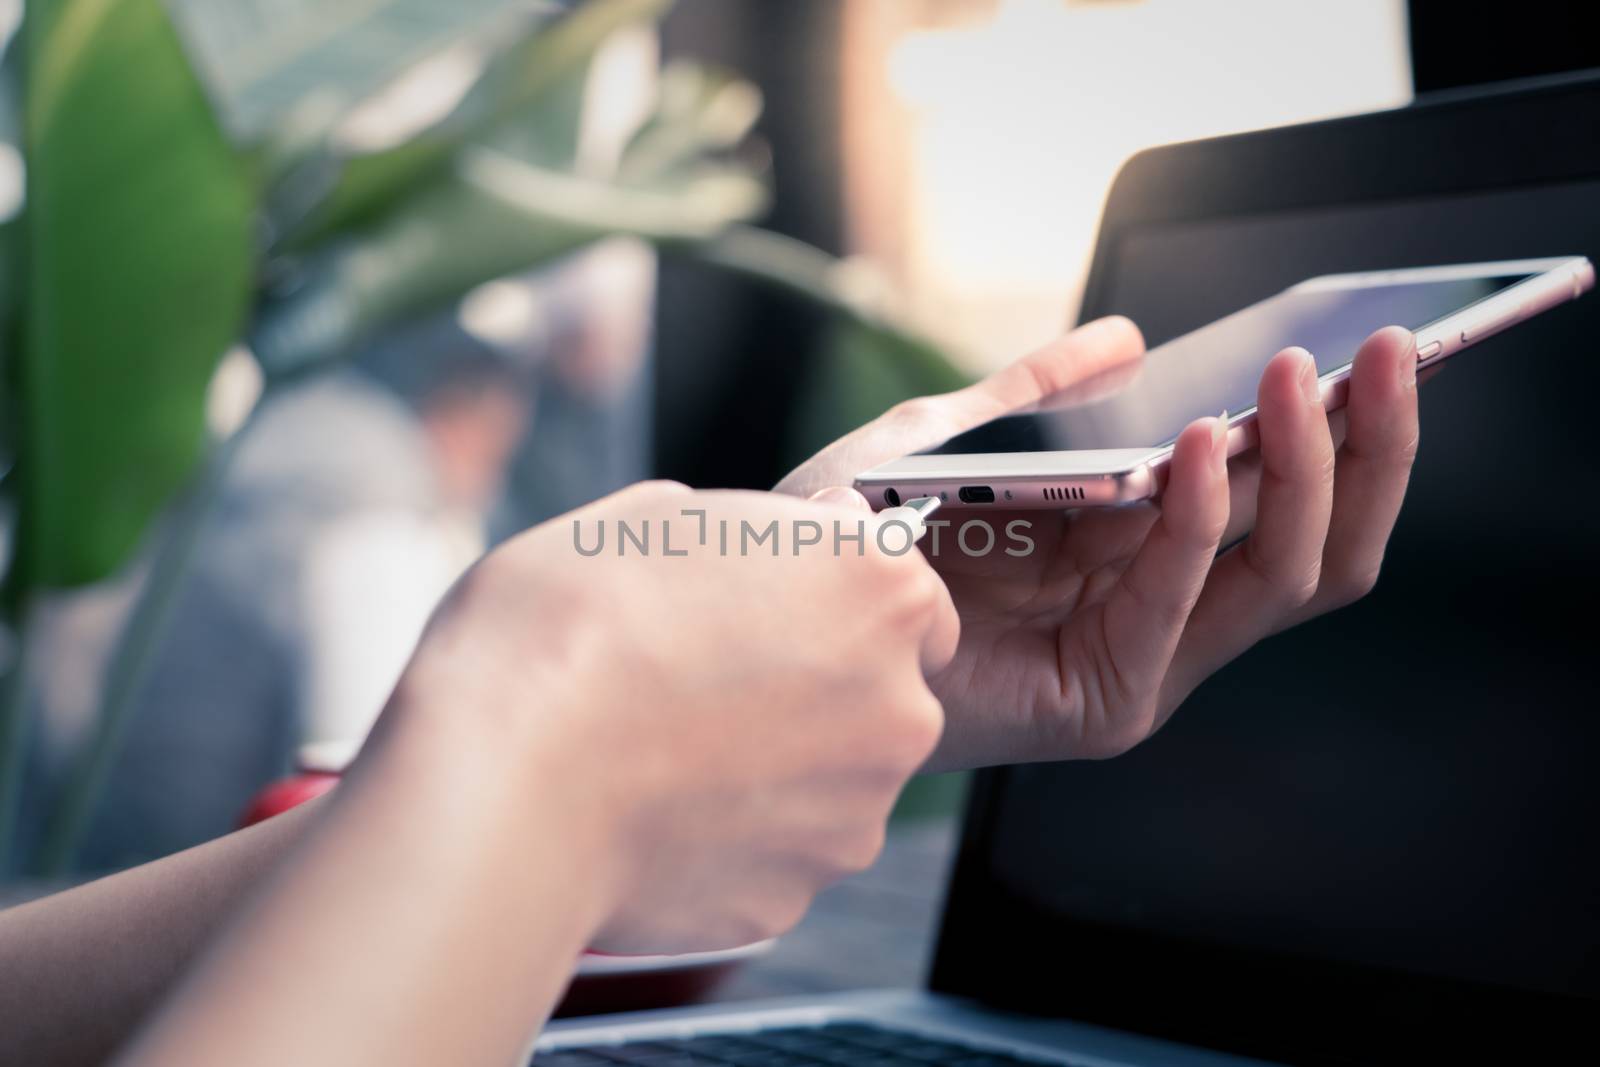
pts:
[1065, 492]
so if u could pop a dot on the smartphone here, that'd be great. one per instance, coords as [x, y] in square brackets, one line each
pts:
[1108, 442]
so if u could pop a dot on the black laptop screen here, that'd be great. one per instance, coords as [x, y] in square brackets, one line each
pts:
[1384, 821]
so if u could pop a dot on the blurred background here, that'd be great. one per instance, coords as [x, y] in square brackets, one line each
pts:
[887, 197]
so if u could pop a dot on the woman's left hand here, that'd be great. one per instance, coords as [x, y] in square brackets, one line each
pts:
[1086, 644]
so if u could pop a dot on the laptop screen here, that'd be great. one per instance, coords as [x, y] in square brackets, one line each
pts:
[1382, 821]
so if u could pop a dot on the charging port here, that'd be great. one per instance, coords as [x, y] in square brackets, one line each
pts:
[976, 494]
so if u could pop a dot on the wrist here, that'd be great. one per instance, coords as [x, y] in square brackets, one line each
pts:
[511, 770]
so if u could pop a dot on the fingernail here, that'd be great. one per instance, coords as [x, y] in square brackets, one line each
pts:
[841, 495]
[1219, 439]
[1310, 387]
[1408, 366]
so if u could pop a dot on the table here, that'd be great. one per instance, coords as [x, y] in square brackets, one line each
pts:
[872, 931]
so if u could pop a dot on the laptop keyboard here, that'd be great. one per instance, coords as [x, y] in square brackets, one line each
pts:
[835, 1045]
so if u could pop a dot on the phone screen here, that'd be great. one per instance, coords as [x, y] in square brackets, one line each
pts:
[1218, 367]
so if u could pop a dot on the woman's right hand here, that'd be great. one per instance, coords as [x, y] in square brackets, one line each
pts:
[726, 730]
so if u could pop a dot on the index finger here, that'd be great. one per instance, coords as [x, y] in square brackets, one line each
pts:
[1075, 357]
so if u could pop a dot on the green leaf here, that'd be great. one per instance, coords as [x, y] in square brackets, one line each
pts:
[496, 216]
[370, 183]
[11, 273]
[546, 131]
[138, 231]
[263, 60]
[699, 110]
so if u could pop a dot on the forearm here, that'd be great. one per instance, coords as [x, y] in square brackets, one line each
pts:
[79, 970]
[429, 917]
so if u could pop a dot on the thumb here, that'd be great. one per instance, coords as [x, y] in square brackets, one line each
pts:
[842, 496]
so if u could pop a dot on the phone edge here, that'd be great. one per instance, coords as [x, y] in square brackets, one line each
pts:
[1568, 278]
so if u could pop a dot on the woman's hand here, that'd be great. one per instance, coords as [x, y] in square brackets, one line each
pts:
[732, 725]
[1086, 645]
[642, 750]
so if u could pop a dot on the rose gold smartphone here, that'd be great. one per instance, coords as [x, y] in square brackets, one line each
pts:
[1109, 442]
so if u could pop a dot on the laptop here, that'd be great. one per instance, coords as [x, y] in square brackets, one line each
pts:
[1371, 839]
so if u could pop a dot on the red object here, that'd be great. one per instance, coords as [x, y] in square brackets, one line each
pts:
[603, 994]
[287, 793]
